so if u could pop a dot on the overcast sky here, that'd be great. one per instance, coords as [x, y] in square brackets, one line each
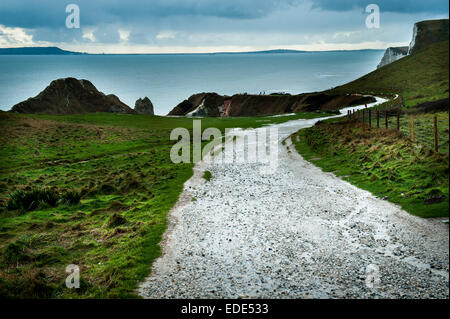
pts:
[156, 26]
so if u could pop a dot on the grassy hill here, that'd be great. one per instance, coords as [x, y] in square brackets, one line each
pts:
[91, 190]
[420, 77]
[428, 32]
[385, 161]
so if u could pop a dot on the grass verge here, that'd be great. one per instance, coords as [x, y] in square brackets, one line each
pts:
[383, 162]
[91, 190]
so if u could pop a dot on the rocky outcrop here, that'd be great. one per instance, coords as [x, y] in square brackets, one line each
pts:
[214, 105]
[393, 54]
[71, 96]
[202, 104]
[424, 33]
[428, 32]
[144, 106]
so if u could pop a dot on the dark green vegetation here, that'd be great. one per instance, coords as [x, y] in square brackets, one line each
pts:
[384, 162]
[91, 190]
[40, 198]
[207, 175]
[420, 77]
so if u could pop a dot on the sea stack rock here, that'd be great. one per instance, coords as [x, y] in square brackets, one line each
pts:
[71, 96]
[144, 106]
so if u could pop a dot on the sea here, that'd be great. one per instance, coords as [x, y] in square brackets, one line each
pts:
[168, 79]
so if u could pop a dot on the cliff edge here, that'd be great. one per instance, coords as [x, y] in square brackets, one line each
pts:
[425, 33]
[393, 54]
[215, 105]
[428, 32]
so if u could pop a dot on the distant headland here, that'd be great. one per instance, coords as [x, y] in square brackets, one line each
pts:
[58, 51]
[37, 51]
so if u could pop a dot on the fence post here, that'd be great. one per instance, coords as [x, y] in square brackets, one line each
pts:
[411, 119]
[436, 147]
[370, 118]
[363, 116]
[378, 119]
[386, 119]
[398, 120]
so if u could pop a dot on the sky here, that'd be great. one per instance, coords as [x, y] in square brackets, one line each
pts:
[195, 26]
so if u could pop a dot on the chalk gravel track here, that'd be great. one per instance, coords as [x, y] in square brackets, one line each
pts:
[297, 233]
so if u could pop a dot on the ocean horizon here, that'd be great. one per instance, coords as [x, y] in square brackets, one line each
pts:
[168, 79]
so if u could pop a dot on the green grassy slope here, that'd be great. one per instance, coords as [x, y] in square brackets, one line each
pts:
[420, 77]
[120, 166]
[386, 162]
[383, 162]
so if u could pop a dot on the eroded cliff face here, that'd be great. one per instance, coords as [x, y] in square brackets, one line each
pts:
[201, 104]
[428, 32]
[393, 54]
[214, 105]
[71, 96]
[424, 33]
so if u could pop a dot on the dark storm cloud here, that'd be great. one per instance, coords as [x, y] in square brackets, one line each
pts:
[400, 6]
[51, 13]
[48, 13]
[197, 23]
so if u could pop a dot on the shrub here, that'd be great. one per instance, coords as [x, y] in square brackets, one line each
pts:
[15, 252]
[31, 284]
[70, 198]
[30, 200]
[40, 198]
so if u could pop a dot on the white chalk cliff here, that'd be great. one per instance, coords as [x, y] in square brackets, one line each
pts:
[393, 54]
[424, 33]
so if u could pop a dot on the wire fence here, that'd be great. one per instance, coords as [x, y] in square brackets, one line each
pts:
[430, 130]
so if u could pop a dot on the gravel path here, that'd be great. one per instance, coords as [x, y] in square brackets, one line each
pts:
[298, 233]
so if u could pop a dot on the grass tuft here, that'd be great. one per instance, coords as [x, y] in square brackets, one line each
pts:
[207, 175]
[31, 200]
[116, 220]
